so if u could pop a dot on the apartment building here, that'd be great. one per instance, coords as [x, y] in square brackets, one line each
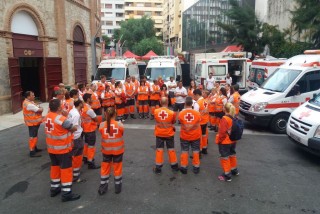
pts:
[172, 25]
[112, 13]
[136, 9]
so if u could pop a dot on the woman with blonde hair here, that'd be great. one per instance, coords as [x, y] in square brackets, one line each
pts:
[227, 147]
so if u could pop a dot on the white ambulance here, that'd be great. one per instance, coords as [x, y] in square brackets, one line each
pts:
[164, 66]
[238, 68]
[261, 69]
[291, 85]
[117, 68]
[304, 125]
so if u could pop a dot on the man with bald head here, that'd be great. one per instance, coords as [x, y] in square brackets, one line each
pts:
[164, 132]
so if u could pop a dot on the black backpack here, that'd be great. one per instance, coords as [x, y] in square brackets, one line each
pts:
[236, 129]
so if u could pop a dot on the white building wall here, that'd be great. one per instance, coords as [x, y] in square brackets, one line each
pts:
[110, 15]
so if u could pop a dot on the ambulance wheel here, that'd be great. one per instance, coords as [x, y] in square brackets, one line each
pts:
[279, 123]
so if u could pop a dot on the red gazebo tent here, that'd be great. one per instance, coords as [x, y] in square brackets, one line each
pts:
[232, 48]
[149, 55]
[129, 54]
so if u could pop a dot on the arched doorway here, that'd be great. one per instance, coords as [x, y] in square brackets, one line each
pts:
[79, 55]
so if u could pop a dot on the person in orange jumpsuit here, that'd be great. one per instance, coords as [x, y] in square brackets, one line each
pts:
[32, 114]
[203, 109]
[154, 97]
[143, 94]
[190, 136]
[107, 98]
[58, 130]
[112, 148]
[89, 124]
[130, 93]
[235, 98]
[120, 101]
[164, 132]
[228, 159]
[221, 100]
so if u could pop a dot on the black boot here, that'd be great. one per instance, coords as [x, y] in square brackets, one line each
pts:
[152, 117]
[140, 116]
[55, 191]
[103, 188]
[175, 167]
[125, 116]
[69, 197]
[37, 150]
[157, 170]
[92, 165]
[183, 170]
[204, 151]
[85, 160]
[196, 170]
[118, 188]
[34, 155]
[132, 116]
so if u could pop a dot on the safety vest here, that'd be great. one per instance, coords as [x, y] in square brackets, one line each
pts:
[164, 93]
[236, 101]
[87, 123]
[112, 142]
[227, 139]
[190, 92]
[129, 90]
[212, 103]
[143, 96]
[165, 120]
[190, 124]
[101, 87]
[112, 87]
[108, 99]
[58, 139]
[95, 102]
[203, 109]
[119, 95]
[155, 95]
[219, 103]
[31, 118]
[70, 104]
[136, 86]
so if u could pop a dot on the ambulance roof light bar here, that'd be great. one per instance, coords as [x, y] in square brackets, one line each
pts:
[311, 52]
[162, 57]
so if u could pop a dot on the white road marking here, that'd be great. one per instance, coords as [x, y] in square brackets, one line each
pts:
[245, 132]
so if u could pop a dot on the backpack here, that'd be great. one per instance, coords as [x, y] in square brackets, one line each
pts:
[236, 129]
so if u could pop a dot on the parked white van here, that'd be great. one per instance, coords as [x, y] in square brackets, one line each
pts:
[118, 68]
[291, 85]
[304, 125]
[261, 69]
[164, 66]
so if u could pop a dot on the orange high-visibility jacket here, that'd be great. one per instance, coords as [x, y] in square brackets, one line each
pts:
[31, 118]
[112, 143]
[136, 86]
[236, 101]
[87, 123]
[190, 124]
[212, 103]
[155, 92]
[112, 86]
[224, 130]
[70, 104]
[129, 90]
[95, 102]
[108, 99]
[219, 103]
[190, 92]
[203, 109]
[58, 139]
[144, 90]
[101, 87]
[165, 120]
[119, 94]
[164, 93]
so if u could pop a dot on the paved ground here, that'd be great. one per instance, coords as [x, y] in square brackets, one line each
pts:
[276, 177]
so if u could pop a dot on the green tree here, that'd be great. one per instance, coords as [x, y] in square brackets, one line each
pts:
[106, 39]
[134, 30]
[145, 45]
[306, 20]
[245, 29]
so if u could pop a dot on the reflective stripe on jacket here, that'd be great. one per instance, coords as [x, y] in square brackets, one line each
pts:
[31, 118]
[112, 143]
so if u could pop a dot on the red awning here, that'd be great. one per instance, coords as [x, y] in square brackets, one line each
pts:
[149, 55]
[129, 54]
[232, 48]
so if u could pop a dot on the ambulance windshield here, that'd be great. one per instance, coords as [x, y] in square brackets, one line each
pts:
[165, 73]
[315, 100]
[116, 73]
[280, 80]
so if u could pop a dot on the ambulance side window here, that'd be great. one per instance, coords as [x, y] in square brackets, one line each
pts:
[314, 80]
[303, 84]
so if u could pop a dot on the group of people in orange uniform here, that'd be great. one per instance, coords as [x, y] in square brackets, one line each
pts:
[75, 115]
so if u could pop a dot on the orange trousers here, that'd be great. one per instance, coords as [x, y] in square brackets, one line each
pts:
[108, 162]
[184, 157]
[171, 152]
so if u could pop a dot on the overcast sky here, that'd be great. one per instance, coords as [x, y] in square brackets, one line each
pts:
[188, 3]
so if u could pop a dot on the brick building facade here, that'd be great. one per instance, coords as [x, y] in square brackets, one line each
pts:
[43, 43]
